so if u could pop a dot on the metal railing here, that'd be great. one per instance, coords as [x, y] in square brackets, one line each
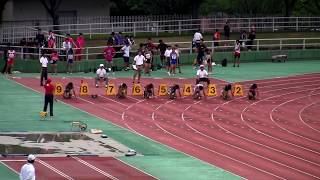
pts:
[277, 44]
[268, 24]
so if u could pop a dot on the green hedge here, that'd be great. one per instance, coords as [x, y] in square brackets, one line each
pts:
[33, 66]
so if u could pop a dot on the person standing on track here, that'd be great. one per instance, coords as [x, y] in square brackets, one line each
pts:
[237, 53]
[44, 68]
[48, 97]
[137, 63]
[28, 171]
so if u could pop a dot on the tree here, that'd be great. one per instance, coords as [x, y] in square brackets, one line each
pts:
[289, 5]
[2, 6]
[52, 7]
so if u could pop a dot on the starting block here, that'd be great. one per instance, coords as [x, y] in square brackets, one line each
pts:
[187, 90]
[58, 89]
[78, 124]
[163, 90]
[84, 89]
[137, 90]
[237, 90]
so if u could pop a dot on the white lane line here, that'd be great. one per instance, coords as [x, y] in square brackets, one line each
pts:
[135, 168]
[95, 168]
[2, 162]
[210, 150]
[270, 136]
[104, 97]
[277, 124]
[285, 129]
[54, 169]
[250, 152]
[130, 130]
[301, 119]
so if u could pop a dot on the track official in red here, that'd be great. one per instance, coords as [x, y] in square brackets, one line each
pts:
[48, 97]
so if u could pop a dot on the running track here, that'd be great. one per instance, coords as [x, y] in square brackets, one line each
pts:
[275, 137]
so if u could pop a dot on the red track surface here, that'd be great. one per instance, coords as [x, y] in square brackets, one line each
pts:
[275, 137]
[81, 168]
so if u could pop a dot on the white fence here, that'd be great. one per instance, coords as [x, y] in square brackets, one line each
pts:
[186, 47]
[268, 24]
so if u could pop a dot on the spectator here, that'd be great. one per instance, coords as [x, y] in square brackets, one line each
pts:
[126, 56]
[243, 38]
[208, 60]
[148, 61]
[109, 52]
[178, 57]
[51, 40]
[252, 37]
[119, 40]
[137, 66]
[40, 40]
[197, 38]
[226, 29]
[202, 75]
[54, 62]
[216, 37]
[66, 46]
[101, 76]
[167, 55]
[111, 39]
[23, 44]
[173, 61]
[70, 56]
[80, 42]
[10, 60]
[201, 48]
[28, 171]
[236, 53]
[44, 68]
[162, 48]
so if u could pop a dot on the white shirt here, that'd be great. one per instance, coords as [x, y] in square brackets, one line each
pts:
[167, 52]
[66, 45]
[202, 73]
[101, 72]
[197, 37]
[44, 61]
[139, 59]
[27, 172]
[126, 51]
[237, 48]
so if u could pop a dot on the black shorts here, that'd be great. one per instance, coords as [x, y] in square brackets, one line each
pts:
[148, 61]
[53, 62]
[126, 59]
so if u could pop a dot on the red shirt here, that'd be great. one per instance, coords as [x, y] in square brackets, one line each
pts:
[49, 88]
[109, 52]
